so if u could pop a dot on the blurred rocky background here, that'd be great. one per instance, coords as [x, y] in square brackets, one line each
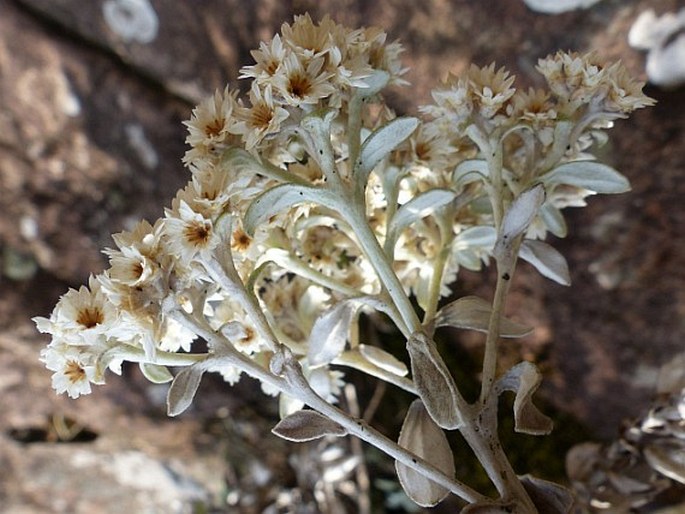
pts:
[92, 99]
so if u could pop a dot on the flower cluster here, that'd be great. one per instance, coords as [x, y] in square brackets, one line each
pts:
[306, 258]
[311, 203]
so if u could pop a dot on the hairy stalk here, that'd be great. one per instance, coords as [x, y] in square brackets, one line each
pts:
[491, 342]
[362, 430]
[354, 125]
[295, 384]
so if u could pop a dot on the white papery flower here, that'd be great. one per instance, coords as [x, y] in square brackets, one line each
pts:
[189, 233]
[80, 317]
[74, 369]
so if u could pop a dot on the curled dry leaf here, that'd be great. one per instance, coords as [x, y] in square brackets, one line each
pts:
[307, 425]
[668, 459]
[548, 497]
[473, 313]
[421, 436]
[523, 380]
[433, 381]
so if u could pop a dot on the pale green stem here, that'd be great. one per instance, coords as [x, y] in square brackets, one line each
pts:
[354, 126]
[484, 442]
[491, 346]
[436, 280]
[504, 278]
[355, 216]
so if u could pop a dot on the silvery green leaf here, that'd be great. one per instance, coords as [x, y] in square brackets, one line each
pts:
[473, 245]
[279, 198]
[553, 219]
[523, 380]
[548, 261]
[469, 171]
[329, 334]
[522, 211]
[241, 160]
[376, 81]
[419, 207]
[421, 436]
[590, 175]
[480, 236]
[307, 425]
[381, 142]
[383, 360]
[548, 497]
[318, 139]
[155, 373]
[473, 313]
[433, 381]
[516, 220]
[183, 388]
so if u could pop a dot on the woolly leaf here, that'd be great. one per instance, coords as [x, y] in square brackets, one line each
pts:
[469, 171]
[421, 436]
[522, 211]
[433, 381]
[183, 389]
[548, 261]
[383, 360]
[479, 236]
[553, 220]
[381, 142]
[524, 379]
[590, 175]
[279, 198]
[668, 459]
[329, 334]
[517, 219]
[307, 425]
[155, 373]
[473, 313]
[419, 207]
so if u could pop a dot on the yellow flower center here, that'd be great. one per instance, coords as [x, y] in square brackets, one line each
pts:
[90, 317]
[74, 372]
[197, 233]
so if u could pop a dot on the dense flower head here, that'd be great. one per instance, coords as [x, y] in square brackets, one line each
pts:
[583, 80]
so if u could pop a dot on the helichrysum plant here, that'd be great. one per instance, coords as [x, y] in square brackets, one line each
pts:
[311, 203]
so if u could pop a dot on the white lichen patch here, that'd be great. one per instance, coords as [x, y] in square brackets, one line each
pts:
[132, 20]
